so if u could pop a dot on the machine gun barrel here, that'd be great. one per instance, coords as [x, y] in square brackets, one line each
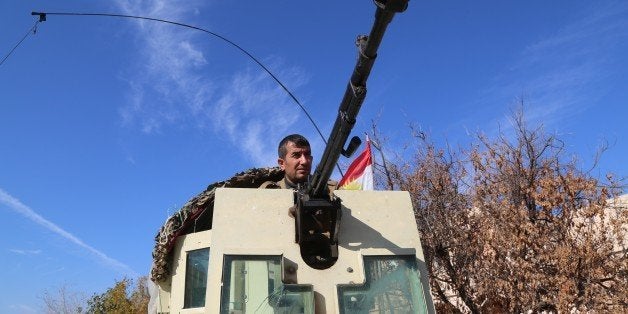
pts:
[355, 93]
[318, 214]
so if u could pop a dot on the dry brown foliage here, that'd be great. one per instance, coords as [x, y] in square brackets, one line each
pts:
[510, 226]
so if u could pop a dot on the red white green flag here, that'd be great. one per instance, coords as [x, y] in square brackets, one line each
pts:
[359, 176]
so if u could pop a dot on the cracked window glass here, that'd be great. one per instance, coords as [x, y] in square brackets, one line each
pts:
[392, 286]
[252, 284]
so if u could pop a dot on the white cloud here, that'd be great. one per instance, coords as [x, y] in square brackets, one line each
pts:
[559, 76]
[175, 86]
[20, 208]
[22, 309]
[254, 114]
[167, 86]
[52, 271]
[24, 252]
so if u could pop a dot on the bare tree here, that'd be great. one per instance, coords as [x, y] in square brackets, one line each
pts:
[63, 301]
[547, 229]
[381, 168]
[512, 225]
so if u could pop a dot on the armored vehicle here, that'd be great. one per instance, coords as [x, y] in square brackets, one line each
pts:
[236, 248]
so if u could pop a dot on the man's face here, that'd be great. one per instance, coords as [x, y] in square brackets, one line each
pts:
[297, 164]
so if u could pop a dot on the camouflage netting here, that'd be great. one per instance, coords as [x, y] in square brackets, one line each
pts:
[196, 215]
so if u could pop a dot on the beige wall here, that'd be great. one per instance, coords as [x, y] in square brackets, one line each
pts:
[256, 222]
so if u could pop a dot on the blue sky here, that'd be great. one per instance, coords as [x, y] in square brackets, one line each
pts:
[109, 125]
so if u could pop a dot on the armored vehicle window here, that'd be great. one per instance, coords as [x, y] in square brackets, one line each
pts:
[392, 286]
[252, 284]
[196, 278]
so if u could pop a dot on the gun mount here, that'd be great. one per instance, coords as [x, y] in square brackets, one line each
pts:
[317, 215]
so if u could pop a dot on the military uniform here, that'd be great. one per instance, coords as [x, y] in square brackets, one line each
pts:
[285, 184]
[281, 184]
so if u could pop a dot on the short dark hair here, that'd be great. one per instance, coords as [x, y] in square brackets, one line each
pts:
[298, 140]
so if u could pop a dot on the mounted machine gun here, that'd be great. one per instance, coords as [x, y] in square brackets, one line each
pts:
[245, 260]
[317, 215]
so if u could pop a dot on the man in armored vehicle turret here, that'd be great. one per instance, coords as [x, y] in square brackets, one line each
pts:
[295, 159]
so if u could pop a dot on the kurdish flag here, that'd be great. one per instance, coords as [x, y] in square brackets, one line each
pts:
[359, 176]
